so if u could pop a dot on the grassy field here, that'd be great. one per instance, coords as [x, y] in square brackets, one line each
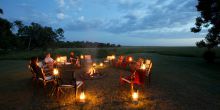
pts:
[103, 52]
[179, 82]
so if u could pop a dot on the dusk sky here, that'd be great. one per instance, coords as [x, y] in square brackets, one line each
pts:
[125, 22]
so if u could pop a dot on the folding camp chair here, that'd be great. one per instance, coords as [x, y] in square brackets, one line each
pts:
[137, 77]
[40, 80]
[74, 84]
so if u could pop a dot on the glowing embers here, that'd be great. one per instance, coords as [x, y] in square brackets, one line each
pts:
[93, 72]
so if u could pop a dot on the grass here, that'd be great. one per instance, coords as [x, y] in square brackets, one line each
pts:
[103, 52]
[178, 83]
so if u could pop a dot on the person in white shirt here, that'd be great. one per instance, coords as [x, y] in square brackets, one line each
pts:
[49, 64]
[48, 59]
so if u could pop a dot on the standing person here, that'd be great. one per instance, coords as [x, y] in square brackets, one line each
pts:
[72, 58]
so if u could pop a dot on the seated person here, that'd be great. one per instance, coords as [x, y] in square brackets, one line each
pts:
[72, 57]
[74, 60]
[38, 71]
[49, 63]
[48, 59]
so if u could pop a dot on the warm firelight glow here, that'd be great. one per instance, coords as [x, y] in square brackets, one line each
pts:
[143, 66]
[55, 71]
[113, 57]
[101, 64]
[81, 57]
[94, 64]
[82, 97]
[130, 59]
[135, 96]
[91, 71]
[58, 59]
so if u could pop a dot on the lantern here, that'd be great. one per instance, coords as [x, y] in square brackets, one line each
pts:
[135, 96]
[58, 59]
[82, 97]
[101, 64]
[55, 71]
[130, 59]
[143, 66]
[113, 57]
[81, 57]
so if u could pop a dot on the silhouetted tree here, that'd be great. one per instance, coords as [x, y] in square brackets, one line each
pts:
[6, 35]
[1, 11]
[37, 36]
[210, 19]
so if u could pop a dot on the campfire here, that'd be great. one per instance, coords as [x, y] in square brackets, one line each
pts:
[93, 72]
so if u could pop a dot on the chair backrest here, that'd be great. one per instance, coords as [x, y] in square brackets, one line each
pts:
[128, 59]
[120, 59]
[139, 62]
[149, 66]
[138, 77]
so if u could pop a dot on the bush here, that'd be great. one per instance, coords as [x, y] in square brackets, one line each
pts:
[209, 56]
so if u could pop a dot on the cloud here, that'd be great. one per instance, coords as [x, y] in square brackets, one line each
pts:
[81, 18]
[82, 25]
[61, 3]
[60, 16]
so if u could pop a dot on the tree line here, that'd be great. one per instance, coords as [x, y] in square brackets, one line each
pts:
[18, 36]
[84, 44]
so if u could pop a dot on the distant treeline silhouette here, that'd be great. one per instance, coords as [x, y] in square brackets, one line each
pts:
[84, 44]
[18, 36]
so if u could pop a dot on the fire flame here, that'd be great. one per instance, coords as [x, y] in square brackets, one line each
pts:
[91, 71]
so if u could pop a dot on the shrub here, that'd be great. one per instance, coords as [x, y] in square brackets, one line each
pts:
[209, 56]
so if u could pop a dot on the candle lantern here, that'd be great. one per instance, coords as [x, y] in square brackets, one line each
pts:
[55, 72]
[58, 59]
[130, 59]
[143, 66]
[82, 97]
[101, 64]
[113, 57]
[81, 57]
[135, 96]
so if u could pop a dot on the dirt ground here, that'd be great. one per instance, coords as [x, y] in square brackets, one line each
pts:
[178, 83]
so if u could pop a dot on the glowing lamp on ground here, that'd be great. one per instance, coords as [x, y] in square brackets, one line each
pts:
[130, 59]
[55, 71]
[82, 97]
[101, 64]
[135, 96]
[81, 57]
[113, 57]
